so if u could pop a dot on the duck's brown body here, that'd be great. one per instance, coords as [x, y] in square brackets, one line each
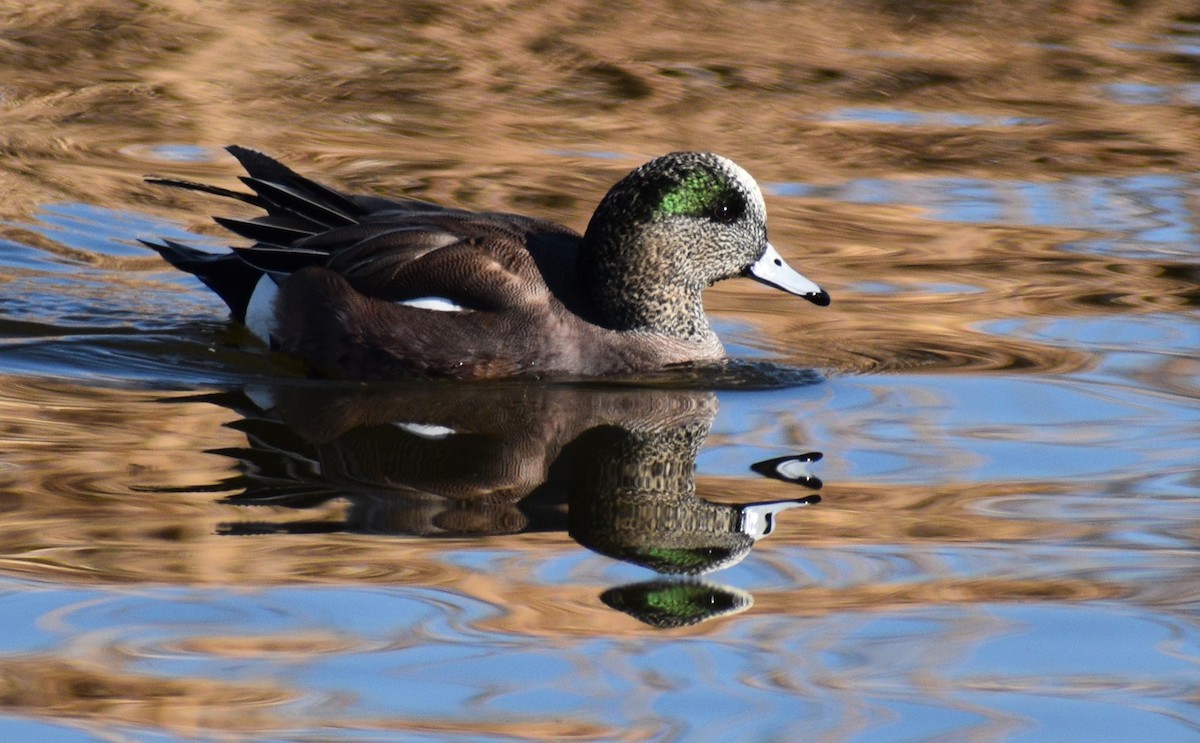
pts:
[340, 331]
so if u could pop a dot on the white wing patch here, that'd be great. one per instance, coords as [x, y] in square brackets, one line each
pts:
[425, 430]
[439, 304]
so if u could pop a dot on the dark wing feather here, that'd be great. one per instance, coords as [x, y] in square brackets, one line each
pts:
[366, 238]
[477, 260]
[295, 203]
[475, 276]
[206, 188]
[268, 170]
[388, 249]
[279, 260]
[371, 205]
[277, 230]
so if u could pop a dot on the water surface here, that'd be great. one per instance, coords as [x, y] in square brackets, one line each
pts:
[955, 504]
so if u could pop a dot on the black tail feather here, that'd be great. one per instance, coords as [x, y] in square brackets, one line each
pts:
[265, 229]
[205, 188]
[280, 259]
[296, 209]
[322, 200]
[228, 275]
[285, 200]
[296, 206]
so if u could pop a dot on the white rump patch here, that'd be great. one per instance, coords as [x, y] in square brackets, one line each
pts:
[260, 313]
[440, 304]
[426, 430]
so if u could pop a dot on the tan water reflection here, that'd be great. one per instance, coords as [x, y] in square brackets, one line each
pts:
[152, 497]
[86, 693]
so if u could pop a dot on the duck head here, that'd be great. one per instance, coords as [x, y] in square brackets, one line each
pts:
[672, 228]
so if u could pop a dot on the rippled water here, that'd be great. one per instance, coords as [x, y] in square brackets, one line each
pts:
[954, 505]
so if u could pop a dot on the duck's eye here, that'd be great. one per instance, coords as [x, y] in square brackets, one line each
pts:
[727, 211]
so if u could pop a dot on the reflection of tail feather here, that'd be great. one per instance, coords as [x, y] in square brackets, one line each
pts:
[260, 528]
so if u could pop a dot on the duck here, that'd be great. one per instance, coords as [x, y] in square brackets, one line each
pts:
[366, 287]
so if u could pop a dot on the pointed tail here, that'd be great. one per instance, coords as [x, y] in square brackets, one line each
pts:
[229, 276]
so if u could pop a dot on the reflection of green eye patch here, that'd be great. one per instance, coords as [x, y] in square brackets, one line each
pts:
[695, 195]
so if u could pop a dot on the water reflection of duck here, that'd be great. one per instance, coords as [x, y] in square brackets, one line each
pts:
[633, 497]
[434, 458]
[439, 459]
[366, 287]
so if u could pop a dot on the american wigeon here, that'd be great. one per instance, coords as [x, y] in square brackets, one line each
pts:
[368, 287]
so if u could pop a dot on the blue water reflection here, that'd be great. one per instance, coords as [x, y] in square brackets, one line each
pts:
[1150, 208]
[953, 119]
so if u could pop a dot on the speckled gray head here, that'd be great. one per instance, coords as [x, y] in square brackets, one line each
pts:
[670, 229]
